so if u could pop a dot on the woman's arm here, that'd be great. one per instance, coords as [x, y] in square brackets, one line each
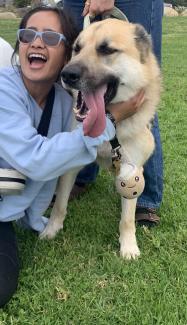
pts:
[123, 110]
[35, 156]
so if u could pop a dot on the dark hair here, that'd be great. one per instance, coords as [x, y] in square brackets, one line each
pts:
[67, 24]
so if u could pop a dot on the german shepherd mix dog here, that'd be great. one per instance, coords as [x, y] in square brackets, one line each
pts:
[112, 60]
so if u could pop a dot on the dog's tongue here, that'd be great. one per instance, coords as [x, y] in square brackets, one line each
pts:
[95, 122]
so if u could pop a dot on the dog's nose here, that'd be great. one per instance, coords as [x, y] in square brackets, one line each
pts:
[71, 75]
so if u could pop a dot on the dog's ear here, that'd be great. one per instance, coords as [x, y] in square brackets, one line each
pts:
[143, 42]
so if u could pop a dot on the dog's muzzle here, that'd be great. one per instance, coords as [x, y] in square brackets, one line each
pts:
[94, 93]
[77, 76]
[71, 75]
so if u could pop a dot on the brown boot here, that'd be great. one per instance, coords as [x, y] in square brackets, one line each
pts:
[77, 191]
[146, 217]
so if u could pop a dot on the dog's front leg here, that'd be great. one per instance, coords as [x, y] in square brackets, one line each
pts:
[128, 245]
[59, 210]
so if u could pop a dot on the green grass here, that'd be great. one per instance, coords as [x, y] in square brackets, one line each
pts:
[79, 278]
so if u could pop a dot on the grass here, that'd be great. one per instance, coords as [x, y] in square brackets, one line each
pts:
[79, 278]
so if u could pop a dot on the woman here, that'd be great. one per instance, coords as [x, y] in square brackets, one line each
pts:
[44, 45]
[149, 14]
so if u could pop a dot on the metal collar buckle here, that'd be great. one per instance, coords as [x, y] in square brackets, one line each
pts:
[116, 155]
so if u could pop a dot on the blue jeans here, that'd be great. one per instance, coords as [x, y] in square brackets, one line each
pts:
[149, 14]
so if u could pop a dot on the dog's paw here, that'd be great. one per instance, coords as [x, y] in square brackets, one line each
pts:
[50, 230]
[129, 251]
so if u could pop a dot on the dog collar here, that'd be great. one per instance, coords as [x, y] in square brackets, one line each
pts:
[114, 13]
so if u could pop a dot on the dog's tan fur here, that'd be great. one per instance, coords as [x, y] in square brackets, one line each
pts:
[134, 64]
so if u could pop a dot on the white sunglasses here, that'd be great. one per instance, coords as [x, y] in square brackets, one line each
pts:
[49, 38]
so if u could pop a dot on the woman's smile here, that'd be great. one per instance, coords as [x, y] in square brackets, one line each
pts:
[37, 62]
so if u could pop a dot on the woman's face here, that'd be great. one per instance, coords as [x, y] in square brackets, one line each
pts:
[46, 68]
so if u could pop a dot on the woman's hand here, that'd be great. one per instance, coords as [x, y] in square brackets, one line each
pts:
[123, 110]
[95, 7]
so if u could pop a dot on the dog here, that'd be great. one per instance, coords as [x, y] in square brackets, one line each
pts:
[118, 56]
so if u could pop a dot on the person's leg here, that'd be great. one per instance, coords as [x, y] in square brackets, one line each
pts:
[9, 262]
[75, 9]
[149, 14]
[89, 173]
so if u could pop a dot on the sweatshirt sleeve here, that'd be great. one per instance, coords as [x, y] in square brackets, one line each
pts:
[38, 157]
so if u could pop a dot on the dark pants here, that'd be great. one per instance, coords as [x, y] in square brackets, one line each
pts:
[149, 14]
[9, 262]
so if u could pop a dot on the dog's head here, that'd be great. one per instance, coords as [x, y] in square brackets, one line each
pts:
[108, 63]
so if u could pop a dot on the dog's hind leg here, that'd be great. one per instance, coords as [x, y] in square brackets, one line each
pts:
[59, 210]
[128, 245]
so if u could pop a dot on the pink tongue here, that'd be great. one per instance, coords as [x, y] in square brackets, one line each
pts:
[95, 122]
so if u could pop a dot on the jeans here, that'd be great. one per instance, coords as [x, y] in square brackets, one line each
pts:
[149, 14]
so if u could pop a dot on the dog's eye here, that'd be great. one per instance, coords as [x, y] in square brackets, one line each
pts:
[77, 48]
[104, 49]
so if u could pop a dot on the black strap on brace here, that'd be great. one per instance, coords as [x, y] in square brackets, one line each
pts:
[114, 143]
[43, 126]
[116, 154]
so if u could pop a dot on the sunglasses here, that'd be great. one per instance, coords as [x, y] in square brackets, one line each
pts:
[49, 38]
